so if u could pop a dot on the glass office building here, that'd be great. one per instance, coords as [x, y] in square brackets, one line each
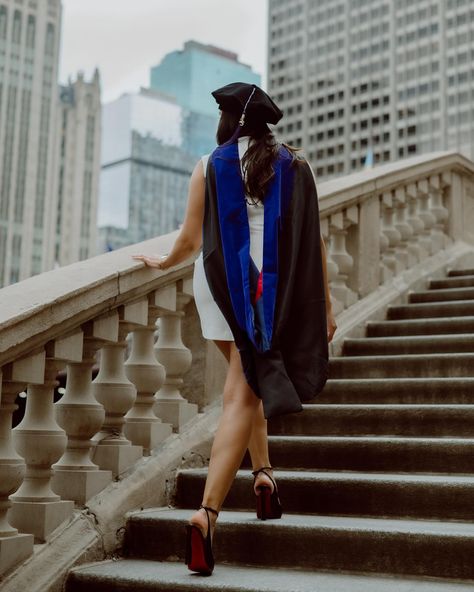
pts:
[145, 169]
[189, 75]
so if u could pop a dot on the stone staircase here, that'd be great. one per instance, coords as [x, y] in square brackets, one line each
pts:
[376, 476]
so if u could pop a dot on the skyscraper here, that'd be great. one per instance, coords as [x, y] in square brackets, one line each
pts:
[145, 168]
[388, 77]
[153, 139]
[29, 48]
[192, 73]
[49, 147]
[77, 169]
[189, 75]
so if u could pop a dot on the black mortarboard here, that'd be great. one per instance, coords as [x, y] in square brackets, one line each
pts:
[243, 98]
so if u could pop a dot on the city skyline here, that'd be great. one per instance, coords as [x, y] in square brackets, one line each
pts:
[124, 67]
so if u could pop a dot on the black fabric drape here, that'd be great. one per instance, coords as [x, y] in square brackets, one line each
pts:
[295, 368]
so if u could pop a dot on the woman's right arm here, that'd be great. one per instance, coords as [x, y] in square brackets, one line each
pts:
[189, 239]
[330, 320]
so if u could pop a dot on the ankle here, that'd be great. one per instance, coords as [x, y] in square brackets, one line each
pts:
[267, 468]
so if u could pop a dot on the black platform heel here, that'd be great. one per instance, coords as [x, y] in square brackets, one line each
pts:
[268, 502]
[199, 555]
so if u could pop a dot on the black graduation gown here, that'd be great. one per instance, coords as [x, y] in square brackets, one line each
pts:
[291, 365]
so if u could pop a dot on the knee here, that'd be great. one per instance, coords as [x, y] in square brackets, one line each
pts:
[240, 396]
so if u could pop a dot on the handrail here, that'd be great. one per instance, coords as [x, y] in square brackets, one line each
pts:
[68, 296]
[101, 283]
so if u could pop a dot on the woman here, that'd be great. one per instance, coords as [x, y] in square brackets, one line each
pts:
[261, 291]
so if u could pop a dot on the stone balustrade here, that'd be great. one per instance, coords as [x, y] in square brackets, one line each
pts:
[108, 310]
[381, 221]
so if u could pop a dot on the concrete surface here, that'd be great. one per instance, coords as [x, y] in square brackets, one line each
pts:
[142, 575]
[416, 547]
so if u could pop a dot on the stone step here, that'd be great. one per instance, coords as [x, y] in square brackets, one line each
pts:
[459, 308]
[144, 575]
[434, 326]
[372, 453]
[398, 390]
[409, 547]
[460, 272]
[452, 282]
[380, 419]
[419, 344]
[446, 295]
[415, 365]
[348, 493]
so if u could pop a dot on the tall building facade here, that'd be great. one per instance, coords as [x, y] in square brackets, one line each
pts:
[29, 50]
[78, 168]
[153, 139]
[145, 169]
[388, 77]
[189, 76]
[192, 73]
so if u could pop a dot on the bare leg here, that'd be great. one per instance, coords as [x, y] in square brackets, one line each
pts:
[258, 443]
[231, 439]
[258, 449]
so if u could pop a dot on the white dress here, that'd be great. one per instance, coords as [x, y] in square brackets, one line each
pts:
[213, 322]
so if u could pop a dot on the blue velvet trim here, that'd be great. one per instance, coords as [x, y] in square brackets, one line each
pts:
[241, 272]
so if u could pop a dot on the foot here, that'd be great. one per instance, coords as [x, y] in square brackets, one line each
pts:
[262, 480]
[199, 519]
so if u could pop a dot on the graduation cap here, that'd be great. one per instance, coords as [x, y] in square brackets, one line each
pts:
[243, 98]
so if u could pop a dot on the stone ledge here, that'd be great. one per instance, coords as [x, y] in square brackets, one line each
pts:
[348, 189]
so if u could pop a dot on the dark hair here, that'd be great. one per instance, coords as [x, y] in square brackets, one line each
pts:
[262, 151]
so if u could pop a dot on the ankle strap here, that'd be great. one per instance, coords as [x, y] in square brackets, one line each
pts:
[262, 470]
[209, 509]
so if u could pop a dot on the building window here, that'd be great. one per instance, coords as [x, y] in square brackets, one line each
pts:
[30, 32]
[49, 44]
[16, 31]
[3, 25]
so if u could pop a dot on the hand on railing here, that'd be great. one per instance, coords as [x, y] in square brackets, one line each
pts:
[157, 262]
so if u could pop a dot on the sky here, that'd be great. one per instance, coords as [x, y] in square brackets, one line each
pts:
[124, 38]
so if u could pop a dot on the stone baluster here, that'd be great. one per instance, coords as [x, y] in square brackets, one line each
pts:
[440, 213]
[41, 442]
[415, 247]
[364, 245]
[428, 219]
[331, 266]
[385, 273]
[452, 182]
[403, 227]
[76, 477]
[15, 546]
[111, 387]
[339, 223]
[170, 405]
[392, 234]
[142, 426]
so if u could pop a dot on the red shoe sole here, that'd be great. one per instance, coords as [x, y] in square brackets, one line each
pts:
[265, 507]
[195, 551]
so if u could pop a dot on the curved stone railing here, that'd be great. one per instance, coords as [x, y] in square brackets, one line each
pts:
[376, 224]
[383, 220]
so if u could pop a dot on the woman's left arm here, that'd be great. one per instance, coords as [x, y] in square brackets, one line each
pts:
[189, 239]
